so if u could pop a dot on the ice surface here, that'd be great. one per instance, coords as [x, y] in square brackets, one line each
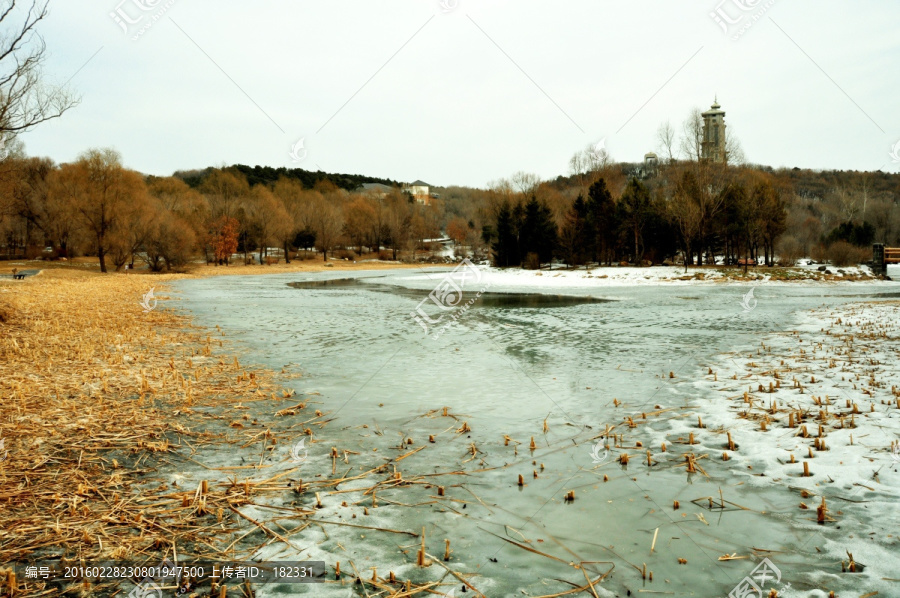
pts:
[508, 367]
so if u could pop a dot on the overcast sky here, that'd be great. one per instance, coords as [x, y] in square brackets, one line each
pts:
[473, 90]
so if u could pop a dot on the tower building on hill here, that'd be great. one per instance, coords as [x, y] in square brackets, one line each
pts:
[713, 144]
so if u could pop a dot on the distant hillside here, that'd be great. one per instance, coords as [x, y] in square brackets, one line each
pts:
[266, 174]
[806, 182]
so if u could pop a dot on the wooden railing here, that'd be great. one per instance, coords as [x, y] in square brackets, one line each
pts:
[891, 255]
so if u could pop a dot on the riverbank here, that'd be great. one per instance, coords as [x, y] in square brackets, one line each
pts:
[597, 276]
[673, 275]
[90, 265]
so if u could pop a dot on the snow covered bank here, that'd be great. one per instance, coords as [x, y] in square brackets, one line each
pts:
[814, 413]
[656, 275]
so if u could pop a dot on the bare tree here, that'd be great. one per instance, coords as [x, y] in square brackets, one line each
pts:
[734, 153]
[848, 200]
[177, 197]
[136, 218]
[863, 187]
[686, 212]
[692, 136]
[297, 203]
[27, 195]
[578, 168]
[591, 164]
[597, 157]
[360, 217]
[25, 99]
[170, 240]
[665, 138]
[398, 220]
[225, 192]
[526, 183]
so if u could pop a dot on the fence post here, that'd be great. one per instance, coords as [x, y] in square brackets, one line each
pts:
[879, 266]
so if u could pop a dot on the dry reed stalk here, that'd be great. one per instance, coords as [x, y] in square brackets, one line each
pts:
[123, 385]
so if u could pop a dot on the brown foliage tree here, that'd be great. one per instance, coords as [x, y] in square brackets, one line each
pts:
[101, 190]
[225, 191]
[170, 241]
[458, 230]
[360, 217]
[268, 221]
[328, 222]
[223, 238]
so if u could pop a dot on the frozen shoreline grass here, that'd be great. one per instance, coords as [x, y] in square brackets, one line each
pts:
[97, 396]
[815, 412]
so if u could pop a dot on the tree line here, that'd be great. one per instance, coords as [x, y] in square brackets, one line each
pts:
[681, 209]
[685, 209]
[96, 206]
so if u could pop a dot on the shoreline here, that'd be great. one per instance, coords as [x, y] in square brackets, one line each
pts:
[598, 276]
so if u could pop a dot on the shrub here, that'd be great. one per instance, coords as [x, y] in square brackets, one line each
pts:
[789, 251]
[841, 253]
[817, 252]
[532, 262]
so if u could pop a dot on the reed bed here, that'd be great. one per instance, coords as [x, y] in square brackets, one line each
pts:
[96, 393]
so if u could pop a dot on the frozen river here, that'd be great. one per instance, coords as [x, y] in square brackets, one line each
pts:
[559, 369]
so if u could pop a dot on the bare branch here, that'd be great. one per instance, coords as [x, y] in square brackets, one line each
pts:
[25, 99]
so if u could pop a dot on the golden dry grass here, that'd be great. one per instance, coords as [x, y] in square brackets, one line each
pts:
[92, 390]
[90, 265]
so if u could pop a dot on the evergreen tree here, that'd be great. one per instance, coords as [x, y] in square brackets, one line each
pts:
[548, 237]
[574, 238]
[505, 246]
[634, 208]
[518, 225]
[602, 218]
[487, 234]
[538, 232]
